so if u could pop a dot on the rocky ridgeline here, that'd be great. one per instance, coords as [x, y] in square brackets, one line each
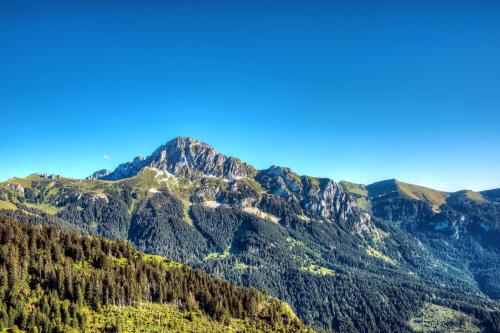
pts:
[319, 198]
[99, 174]
[184, 157]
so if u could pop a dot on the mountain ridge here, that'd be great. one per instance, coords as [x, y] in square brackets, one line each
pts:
[181, 165]
[183, 156]
[393, 248]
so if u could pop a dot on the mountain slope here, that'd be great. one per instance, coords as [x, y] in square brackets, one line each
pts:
[183, 157]
[53, 280]
[461, 228]
[415, 192]
[346, 257]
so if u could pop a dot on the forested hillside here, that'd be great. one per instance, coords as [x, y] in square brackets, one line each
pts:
[347, 257]
[55, 281]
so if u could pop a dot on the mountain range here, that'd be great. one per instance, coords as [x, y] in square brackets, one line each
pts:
[384, 257]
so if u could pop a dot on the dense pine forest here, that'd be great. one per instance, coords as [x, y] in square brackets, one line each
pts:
[55, 281]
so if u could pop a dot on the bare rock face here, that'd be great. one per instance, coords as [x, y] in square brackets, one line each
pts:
[327, 199]
[99, 174]
[230, 181]
[186, 157]
[16, 187]
[282, 182]
[240, 193]
[319, 197]
[126, 170]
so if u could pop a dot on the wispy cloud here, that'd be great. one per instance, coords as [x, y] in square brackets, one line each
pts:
[106, 157]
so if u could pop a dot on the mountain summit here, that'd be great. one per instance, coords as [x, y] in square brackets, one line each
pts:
[400, 252]
[186, 157]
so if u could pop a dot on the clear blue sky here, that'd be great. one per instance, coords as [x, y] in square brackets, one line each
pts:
[361, 91]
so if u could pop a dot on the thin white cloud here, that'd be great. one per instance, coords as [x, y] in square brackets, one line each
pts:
[106, 157]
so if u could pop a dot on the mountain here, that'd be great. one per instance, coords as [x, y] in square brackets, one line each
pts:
[385, 257]
[462, 228]
[58, 281]
[99, 174]
[183, 157]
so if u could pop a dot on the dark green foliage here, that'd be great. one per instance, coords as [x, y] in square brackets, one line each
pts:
[364, 295]
[106, 216]
[218, 226]
[158, 227]
[237, 191]
[286, 211]
[47, 277]
[464, 233]
[360, 292]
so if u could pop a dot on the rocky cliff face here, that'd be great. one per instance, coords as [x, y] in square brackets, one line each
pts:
[185, 157]
[99, 174]
[462, 214]
[319, 198]
[281, 232]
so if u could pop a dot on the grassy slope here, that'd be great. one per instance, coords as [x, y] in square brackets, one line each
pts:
[151, 317]
[436, 318]
[434, 197]
[474, 196]
[7, 205]
[359, 192]
[416, 192]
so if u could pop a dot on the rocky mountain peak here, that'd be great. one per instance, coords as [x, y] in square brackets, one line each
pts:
[99, 174]
[186, 157]
[319, 197]
[281, 181]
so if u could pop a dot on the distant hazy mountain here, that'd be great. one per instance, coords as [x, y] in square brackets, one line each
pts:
[385, 257]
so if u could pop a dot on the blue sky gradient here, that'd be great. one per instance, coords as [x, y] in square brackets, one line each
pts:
[362, 91]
